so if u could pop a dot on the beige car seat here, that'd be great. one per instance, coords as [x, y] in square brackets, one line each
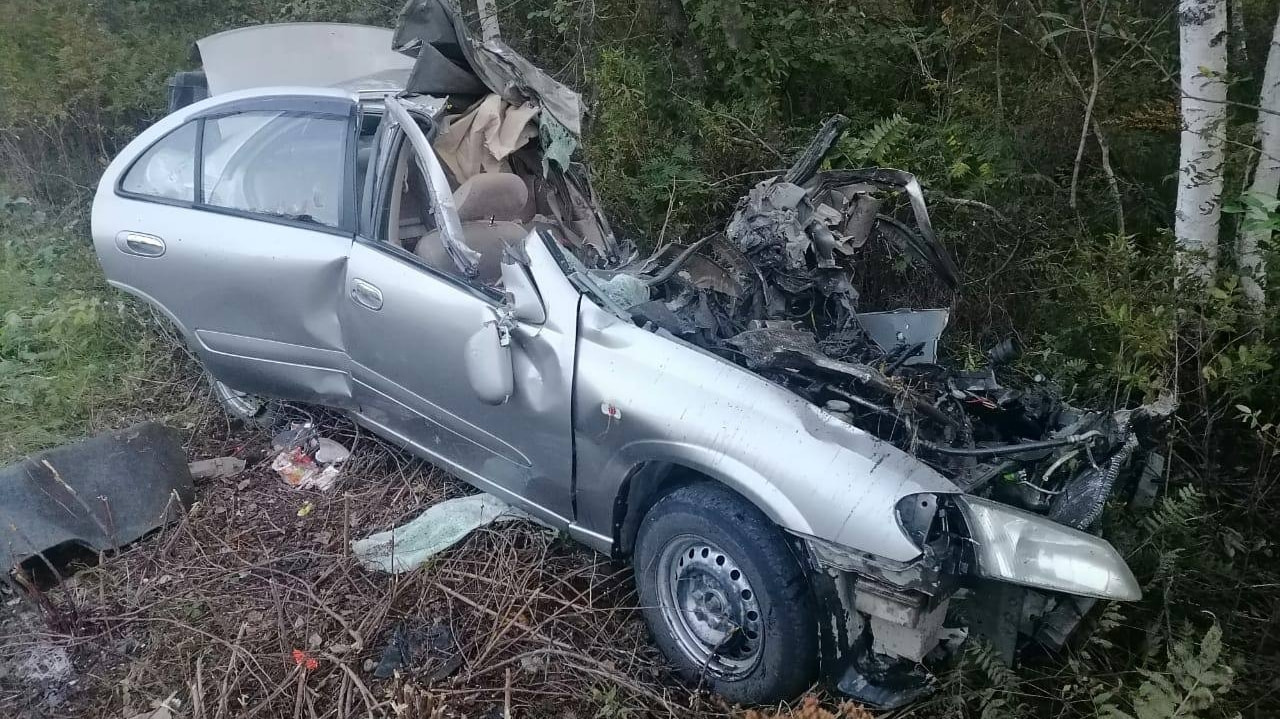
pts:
[410, 224]
[492, 209]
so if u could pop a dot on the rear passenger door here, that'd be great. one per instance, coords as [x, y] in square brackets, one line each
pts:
[238, 223]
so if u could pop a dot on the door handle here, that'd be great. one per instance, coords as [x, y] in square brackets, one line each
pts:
[366, 294]
[140, 244]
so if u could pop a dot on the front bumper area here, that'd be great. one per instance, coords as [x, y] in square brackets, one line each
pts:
[879, 623]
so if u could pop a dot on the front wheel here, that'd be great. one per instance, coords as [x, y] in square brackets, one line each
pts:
[724, 597]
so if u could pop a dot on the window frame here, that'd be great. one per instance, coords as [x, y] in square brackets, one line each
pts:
[292, 105]
[380, 196]
[158, 199]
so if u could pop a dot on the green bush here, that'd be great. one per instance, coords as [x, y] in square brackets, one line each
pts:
[71, 351]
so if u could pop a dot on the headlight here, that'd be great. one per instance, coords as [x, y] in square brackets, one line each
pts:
[1023, 548]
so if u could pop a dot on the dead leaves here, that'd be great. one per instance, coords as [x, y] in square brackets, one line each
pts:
[811, 708]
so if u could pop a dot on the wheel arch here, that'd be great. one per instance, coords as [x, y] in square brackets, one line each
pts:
[190, 338]
[649, 480]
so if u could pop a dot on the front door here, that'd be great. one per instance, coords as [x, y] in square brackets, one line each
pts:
[408, 313]
[236, 222]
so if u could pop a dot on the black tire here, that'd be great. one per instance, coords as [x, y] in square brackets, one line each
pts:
[769, 658]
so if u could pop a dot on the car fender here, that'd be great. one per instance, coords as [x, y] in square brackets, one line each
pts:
[644, 397]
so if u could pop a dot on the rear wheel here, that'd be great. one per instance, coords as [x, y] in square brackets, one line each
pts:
[723, 596]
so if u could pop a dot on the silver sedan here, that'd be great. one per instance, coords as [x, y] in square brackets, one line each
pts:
[327, 243]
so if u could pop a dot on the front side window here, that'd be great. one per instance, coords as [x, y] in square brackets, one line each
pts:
[167, 169]
[277, 164]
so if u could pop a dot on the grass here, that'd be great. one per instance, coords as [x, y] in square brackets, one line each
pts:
[72, 351]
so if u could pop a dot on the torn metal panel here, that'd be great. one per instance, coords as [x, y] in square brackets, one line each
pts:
[907, 327]
[101, 493]
[435, 32]
[921, 241]
[447, 53]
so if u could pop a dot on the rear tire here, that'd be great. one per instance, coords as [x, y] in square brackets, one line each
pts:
[724, 597]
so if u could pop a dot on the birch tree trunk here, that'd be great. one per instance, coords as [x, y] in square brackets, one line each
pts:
[1266, 179]
[1202, 35]
[488, 20]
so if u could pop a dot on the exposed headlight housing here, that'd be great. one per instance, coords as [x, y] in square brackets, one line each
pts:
[1024, 548]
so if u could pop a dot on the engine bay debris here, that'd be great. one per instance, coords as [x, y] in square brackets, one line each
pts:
[782, 290]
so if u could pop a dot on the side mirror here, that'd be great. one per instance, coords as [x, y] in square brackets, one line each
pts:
[524, 299]
[488, 358]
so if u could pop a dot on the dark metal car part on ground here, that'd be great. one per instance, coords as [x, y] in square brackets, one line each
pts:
[96, 495]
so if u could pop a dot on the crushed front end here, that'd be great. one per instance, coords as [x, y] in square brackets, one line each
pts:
[781, 292]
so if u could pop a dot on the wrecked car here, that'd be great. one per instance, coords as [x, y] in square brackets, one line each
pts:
[802, 488]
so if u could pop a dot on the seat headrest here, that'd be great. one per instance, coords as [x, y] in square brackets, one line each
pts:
[499, 196]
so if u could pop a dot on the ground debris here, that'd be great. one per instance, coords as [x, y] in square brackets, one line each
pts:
[97, 494]
[249, 584]
[216, 468]
[411, 646]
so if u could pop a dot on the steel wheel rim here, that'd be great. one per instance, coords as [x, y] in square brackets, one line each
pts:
[712, 610]
[237, 402]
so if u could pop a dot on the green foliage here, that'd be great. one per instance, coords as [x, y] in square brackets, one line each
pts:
[878, 145]
[982, 686]
[774, 48]
[1173, 523]
[1116, 307]
[609, 705]
[1191, 682]
[68, 348]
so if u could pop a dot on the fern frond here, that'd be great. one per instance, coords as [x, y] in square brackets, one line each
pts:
[878, 144]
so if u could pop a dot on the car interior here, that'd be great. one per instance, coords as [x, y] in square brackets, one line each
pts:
[495, 209]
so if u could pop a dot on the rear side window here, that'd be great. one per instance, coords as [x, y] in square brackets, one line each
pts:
[167, 169]
[285, 165]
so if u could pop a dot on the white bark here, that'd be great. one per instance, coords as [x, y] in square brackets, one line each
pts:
[488, 20]
[1202, 34]
[1266, 179]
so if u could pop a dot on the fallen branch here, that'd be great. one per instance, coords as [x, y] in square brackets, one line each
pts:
[964, 202]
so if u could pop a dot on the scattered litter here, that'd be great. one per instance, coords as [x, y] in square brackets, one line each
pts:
[435, 530]
[299, 435]
[307, 461]
[306, 509]
[410, 647]
[216, 468]
[330, 452]
[305, 660]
